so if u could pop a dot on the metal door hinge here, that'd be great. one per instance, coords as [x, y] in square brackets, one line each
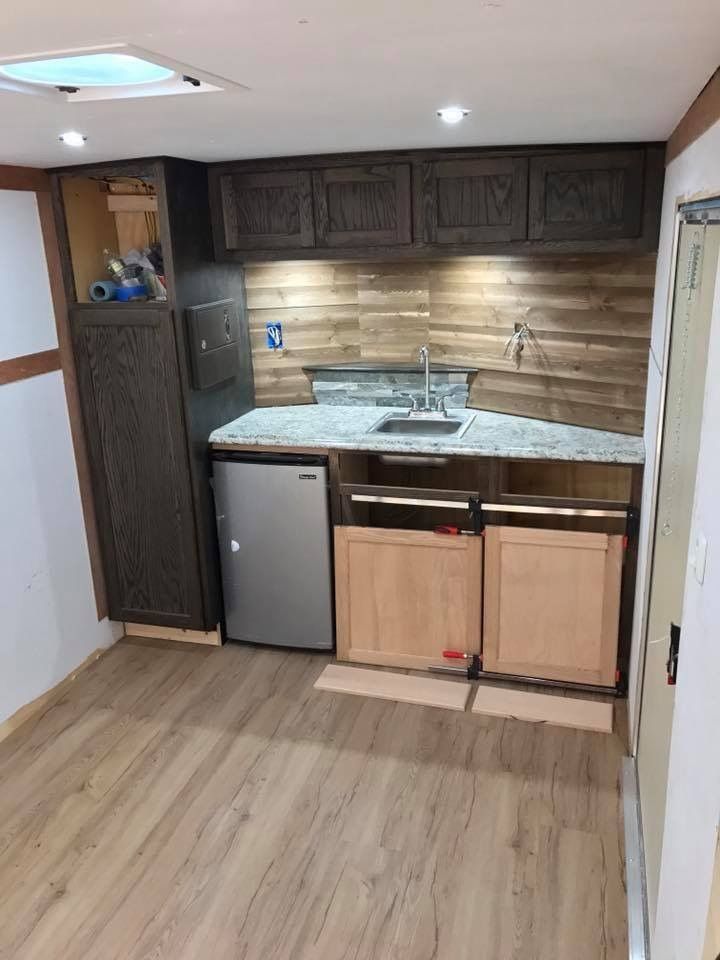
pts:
[673, 654]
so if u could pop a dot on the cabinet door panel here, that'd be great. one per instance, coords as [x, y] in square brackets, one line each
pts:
[362, 206]
[474, 201]
[592, 196]
[266, 211]
[552, 604]
[130, 394]
[404, 596]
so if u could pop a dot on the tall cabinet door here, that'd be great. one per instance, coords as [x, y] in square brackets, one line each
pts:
[362, 206]
[481, 200]
[552, 604]
[130, 392]
[404, 596]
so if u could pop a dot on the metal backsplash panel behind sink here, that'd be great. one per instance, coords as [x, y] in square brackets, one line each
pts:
[363, 386]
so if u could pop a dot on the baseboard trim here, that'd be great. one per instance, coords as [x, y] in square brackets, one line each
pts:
[40, 704]
[638, 933]
[148, 631]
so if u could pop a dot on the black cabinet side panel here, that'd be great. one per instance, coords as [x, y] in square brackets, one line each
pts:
[195, 278]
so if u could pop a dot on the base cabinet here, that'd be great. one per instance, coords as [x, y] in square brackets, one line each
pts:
[404, 596]
[552, 604]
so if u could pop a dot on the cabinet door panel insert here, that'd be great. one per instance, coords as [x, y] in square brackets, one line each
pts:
[552, 604]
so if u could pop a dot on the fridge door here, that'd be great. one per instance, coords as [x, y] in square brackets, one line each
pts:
[275, 549]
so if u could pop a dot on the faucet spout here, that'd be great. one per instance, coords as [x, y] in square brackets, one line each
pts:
[424, 357]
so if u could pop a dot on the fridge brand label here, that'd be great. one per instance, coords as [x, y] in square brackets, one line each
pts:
[273, 333]
[307, 476]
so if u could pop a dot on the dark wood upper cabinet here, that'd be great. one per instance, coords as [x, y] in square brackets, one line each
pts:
[362, 206]
[473, 201]
[130, 387]
[265, 211]
[424, 203]
[587, 196]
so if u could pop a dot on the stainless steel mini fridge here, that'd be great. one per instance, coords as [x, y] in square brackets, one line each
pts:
[273, 520]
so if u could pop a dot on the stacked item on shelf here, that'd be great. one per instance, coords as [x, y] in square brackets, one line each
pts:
[138, 275]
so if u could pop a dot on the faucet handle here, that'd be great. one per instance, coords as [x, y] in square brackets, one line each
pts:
[440, 405]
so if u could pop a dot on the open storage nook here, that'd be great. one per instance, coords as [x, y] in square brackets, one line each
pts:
[112, 223]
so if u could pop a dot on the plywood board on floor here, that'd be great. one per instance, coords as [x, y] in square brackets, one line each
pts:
[424, 691]
[544, 708]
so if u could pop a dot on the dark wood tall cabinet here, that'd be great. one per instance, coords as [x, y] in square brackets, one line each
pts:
[146, 426]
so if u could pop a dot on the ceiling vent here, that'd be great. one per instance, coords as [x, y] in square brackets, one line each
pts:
[115, 71]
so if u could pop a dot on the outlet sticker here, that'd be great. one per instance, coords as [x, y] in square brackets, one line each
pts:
[273, 333]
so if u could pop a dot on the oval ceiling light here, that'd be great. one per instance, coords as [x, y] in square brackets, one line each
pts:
[452, 114]
[72, 139]
[92, 70]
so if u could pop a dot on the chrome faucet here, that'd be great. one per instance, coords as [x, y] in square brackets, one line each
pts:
[424, 357]
[427, 410]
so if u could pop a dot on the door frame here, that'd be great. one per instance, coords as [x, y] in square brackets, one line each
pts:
[643, 608]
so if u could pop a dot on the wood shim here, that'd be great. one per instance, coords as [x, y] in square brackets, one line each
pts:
[424, 691]
[543, 708]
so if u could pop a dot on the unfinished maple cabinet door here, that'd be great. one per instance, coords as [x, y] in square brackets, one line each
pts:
[552, 604]
[404, 596]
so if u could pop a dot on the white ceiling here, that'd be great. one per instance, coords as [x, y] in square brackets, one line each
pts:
[368, 75]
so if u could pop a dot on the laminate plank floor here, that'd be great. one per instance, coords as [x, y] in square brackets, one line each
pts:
[209, 804]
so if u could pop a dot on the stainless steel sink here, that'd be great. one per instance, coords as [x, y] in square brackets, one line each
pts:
[423, 425]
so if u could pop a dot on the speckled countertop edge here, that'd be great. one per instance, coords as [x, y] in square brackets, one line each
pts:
[490, 435]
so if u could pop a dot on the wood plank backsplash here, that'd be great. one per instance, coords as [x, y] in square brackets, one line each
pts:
[590, 320]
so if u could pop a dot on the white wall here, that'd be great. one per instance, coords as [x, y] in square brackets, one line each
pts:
[47, 608]
[695, 173]
[693, 801]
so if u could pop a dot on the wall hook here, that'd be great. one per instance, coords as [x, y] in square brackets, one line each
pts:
[516, 344]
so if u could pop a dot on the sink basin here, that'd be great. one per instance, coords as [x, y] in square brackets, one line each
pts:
[400, 424]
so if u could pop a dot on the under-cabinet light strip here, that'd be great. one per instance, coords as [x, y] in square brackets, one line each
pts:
[492, 507]
[554, 511]
[411, 501]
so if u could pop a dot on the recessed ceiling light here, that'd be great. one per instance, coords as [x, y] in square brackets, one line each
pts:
[72, 139]
[452, 114]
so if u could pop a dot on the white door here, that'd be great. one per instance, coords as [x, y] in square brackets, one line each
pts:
[696, 272]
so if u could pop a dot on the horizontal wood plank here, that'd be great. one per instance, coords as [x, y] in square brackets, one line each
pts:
[30, 365]
[23, 178]
[448, 694]
[544, 708]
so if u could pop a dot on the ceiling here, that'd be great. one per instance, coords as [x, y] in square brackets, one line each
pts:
[337, 75]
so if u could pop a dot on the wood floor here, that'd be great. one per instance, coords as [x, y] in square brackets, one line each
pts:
[209, 804]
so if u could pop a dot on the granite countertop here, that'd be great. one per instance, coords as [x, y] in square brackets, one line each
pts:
[490, 435]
